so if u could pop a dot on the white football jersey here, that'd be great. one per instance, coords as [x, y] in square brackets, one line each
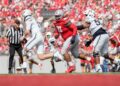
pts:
[94, 26]
[33, 26]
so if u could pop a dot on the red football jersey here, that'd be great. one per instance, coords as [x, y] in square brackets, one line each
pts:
[65, 28]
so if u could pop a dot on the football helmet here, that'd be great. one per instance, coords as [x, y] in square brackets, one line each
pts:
[89, 12]
[26, 13]
[90, 15]
[59, 14]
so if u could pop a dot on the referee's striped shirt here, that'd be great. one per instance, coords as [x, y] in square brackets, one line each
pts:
[14, 35]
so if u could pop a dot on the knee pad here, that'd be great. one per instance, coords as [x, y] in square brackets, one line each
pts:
[95, 54]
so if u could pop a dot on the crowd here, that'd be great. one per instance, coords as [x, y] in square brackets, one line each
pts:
[106, 11]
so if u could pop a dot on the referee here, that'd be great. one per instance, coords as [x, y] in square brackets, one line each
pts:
[14, 34]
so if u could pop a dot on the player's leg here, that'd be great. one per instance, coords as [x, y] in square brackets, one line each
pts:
[105, 54]
[42, 55]
[21, 62]
[82, 64]
[30, 67]
[65, 52]
[19, 51]
[53, 70]
[31, 62]
[98, 44]
[75, 51]
[31, 43]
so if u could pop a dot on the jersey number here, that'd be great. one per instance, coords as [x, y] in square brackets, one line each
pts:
[59, 28]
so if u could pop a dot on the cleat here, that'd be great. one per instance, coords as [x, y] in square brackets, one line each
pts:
[98, 68]
[24, 65]
[19, 68]
[10, 72]
[53, 71]
[70, 69]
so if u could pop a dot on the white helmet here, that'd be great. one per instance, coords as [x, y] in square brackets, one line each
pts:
[89, 19]
[89, 12]
[26, 13]
[89, 15]
[59, 14]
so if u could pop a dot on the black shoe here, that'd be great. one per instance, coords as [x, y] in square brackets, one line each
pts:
[53, 71]
[25, 70]
[10, 71]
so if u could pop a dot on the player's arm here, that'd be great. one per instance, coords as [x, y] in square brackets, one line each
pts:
[27, 32]
[56, 32]
[24, 36]
[74, 29]
[80, 27]
[72, 26]
[84, 25]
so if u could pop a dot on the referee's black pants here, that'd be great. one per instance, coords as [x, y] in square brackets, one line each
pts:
[12, 49]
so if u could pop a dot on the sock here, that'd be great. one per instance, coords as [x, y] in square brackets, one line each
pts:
[71, 63]
[24, 65]
[88, 58]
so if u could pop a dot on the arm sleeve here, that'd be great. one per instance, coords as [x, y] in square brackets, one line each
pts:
[80, 27]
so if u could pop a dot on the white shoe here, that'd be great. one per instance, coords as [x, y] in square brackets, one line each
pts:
[19, 68]
[98, 68]
[58, 56]
[24, 65]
